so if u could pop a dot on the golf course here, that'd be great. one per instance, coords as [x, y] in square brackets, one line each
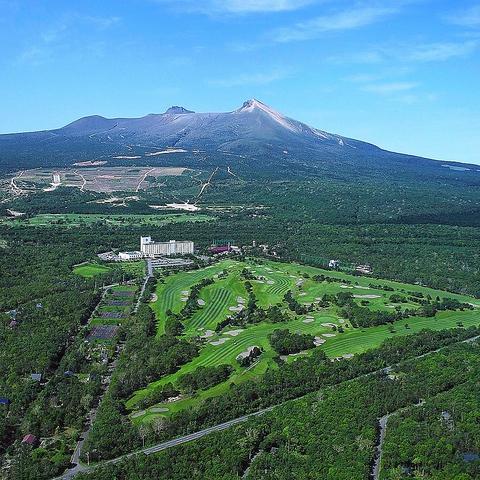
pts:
[227, 293]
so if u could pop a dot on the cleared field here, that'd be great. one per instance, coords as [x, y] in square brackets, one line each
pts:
[90, 270]
[270, 283]
[95, 178]
[77, 220]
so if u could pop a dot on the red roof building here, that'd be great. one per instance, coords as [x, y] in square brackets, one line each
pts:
[29, 439]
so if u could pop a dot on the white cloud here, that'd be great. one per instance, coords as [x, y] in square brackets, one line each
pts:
[466, 18]
[352, 18]
[409, 54]
[56, 37]
[237, 6]
[435, 52]
[389, 88]
[249, 79]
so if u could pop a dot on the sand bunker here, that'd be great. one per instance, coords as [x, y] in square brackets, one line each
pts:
[367, 296]
[234, 333]
[346, 286]
[246, 353]
[318, 341]
[221, 341]
[201, 302]
[208, 334]
[184, 299]
[341, 320]
[308, 320]
[138, 414]
[158, 410]
[362, 287]
[348, 355]
[240, 300]
[184, 292]
[238, 308]
[331, 325]
[154, 297]
[302, 294]
[270, 282]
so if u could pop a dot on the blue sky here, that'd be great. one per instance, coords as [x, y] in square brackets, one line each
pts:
[403, 74]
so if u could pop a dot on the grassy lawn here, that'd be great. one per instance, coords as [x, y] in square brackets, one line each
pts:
[90, 270]
[272, 281]
[82, 219]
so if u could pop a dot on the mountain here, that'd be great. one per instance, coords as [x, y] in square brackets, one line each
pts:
[254, 131]
[253, 122]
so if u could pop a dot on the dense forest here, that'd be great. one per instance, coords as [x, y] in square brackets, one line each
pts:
[331, 434]
[399, 226]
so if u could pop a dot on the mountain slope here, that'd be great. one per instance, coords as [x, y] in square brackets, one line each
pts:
[254, 132]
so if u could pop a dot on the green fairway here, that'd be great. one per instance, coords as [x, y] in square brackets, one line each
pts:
[83, 219]
[270, 283]
[90, 270]
[177, 287]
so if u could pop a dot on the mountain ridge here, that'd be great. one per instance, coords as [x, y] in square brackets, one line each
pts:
[253, 132]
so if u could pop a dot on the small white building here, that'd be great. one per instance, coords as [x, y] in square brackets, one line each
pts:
[333, 264]
[130, 255]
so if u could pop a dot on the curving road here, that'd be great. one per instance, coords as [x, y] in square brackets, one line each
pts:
[223, 426]
[162, 446]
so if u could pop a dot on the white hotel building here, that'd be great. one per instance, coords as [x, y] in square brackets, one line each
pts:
[150, 248]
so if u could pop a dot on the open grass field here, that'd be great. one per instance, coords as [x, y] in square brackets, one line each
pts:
[272, 281]
[83, 219]
[90, 270]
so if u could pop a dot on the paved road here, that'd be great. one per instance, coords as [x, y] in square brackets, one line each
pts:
[202, 433]
[163, 446]
[222, 426]
[379, 448]
[147, 277]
